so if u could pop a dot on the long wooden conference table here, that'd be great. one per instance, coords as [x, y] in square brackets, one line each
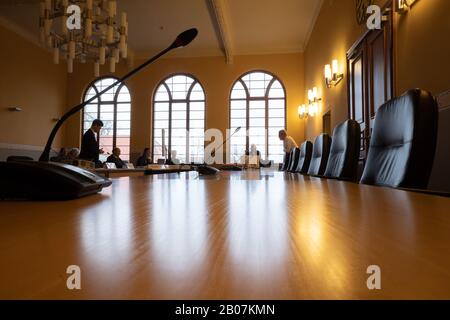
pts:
[241, 235]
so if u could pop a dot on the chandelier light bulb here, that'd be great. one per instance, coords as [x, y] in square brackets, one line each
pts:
[99, 39]
[102, 55]
[97, 69]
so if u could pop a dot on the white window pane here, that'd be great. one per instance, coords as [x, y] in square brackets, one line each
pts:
[241, 114]
[106, 108]
[277, 103]
[91, 108]
[105, 116]
[276, 93]
[197, 106]
[162, 94]
[197, 96]
[234, 123]
[238, 104]
[161, 106]
[276, 122]
[258, 104]
[123, 107]
[257, 113]
[123, 116]
[161, 116]
[179, 107]
[196, 115]
[257, 122]
[276, 113]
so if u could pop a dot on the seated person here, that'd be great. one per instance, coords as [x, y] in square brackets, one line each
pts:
[253, 151]
[62, 155]
[174, 157]
[288, 144]
[115, 158]
[252, 157]
[73, 154]
[144, 159]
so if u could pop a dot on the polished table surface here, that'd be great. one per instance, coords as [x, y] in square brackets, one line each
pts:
[241, 235]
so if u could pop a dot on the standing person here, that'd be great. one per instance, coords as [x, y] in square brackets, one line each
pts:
[288, 143]
[115, 158]
[90, 149]
[144, 159]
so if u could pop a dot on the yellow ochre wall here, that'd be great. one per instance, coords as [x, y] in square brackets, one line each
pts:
[421, 53]
[214, 74]
[29, 80]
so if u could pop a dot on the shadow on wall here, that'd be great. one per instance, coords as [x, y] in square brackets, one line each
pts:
[440, 176]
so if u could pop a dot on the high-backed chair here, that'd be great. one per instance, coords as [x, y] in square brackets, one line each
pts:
[321, 151]
[295, 155]
[286, 162]
[403, 142]
[344, 151]
[305, 157]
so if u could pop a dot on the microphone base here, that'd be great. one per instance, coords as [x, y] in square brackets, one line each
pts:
[33, 180]
[206, 170]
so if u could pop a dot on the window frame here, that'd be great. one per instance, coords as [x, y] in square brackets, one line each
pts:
[122, 84]
[171, 101]
[264, 98]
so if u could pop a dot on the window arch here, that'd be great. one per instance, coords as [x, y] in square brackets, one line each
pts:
[114, 109]
[179, 119]
[258, 106]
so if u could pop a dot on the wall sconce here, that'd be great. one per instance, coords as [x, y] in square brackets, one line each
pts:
[310, 110]
[332, 75]
[15, 109]
[403, 5]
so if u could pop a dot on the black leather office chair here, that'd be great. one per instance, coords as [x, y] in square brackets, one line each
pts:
[320, 154]
[344, 152]
[295, 155]
[305, 157]
[286, 162]
[403, 142]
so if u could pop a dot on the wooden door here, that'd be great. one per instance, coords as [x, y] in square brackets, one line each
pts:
[370, 76]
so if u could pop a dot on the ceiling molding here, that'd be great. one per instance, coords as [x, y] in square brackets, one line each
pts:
[312, 25]
[14, 27]
[220, 21]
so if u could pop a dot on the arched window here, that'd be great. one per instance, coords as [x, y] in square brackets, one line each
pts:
[114, 109]
[258, 106]
[179, 119]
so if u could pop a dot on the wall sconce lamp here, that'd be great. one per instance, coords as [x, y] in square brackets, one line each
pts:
[332, 75]
[15, 109]
[310, 110]
[403, 6]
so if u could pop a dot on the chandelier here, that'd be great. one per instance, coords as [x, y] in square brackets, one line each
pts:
[84, 31]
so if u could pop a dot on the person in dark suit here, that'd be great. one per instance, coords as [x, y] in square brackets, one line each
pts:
[90, 149]
[115, 158]
[144, 159]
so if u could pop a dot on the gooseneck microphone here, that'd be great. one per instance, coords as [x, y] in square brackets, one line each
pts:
[205, 169]
[182, 40]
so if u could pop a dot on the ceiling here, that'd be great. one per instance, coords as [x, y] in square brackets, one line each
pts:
[226, 27]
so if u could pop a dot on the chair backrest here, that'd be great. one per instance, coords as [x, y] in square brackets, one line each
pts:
[305, 157]
[344, 151]
[295, 155]
[321, 151]
[286, 162]
[403, 142]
